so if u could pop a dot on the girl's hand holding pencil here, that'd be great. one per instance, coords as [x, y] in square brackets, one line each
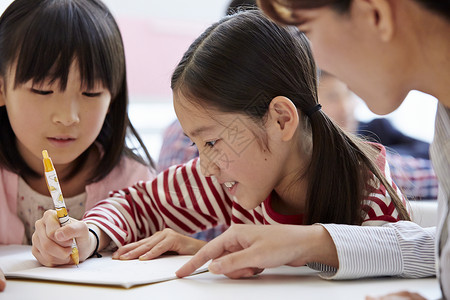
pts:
[52, 244]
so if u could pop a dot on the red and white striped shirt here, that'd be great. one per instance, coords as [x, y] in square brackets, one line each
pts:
[182, 199]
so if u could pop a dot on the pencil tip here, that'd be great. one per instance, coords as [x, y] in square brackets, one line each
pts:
[45, 153]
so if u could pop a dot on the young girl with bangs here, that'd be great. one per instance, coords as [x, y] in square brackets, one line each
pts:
[245, 93]
[63, 88]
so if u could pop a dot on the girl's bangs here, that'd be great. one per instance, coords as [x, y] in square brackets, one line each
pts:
[54, 38]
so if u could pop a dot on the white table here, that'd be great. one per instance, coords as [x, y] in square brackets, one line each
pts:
[279, 283]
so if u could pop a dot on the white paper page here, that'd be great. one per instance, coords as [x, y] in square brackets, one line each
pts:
[18, 262]
[16, 258]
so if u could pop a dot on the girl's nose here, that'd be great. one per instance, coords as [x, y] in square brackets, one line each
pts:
[66, 112]
[207, 164]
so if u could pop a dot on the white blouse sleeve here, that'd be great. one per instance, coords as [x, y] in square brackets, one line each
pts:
[395, 249]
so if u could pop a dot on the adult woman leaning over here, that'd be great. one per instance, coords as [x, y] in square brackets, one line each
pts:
[381, 49]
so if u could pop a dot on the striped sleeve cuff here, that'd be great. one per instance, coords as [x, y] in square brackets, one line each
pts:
[395, 249]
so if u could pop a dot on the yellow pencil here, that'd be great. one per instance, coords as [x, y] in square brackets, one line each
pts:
[58, 199]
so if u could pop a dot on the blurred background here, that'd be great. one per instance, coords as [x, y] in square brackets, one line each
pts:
[156, 33]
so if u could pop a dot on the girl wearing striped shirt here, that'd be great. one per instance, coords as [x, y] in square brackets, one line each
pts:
[245, 93]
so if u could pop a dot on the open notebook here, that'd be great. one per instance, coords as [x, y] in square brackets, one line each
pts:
[16, 261]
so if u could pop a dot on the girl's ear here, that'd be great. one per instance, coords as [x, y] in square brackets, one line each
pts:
[2, 92]
[284, 115]
[379, 14]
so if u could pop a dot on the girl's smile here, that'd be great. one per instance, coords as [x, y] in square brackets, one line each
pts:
[231, 187]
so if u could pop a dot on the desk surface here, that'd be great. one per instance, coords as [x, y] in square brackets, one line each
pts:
[283, 282]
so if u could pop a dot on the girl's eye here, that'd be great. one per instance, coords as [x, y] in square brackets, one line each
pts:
[41, 92]
[210, 144]
[92, 95]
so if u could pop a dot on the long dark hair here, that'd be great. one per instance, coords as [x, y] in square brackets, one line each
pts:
[439, 7]
[240, 64]
[44, 37]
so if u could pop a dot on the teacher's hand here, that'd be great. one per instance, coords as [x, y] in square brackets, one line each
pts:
[245, 250]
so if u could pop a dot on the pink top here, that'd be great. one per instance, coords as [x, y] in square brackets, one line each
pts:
[12, 229]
